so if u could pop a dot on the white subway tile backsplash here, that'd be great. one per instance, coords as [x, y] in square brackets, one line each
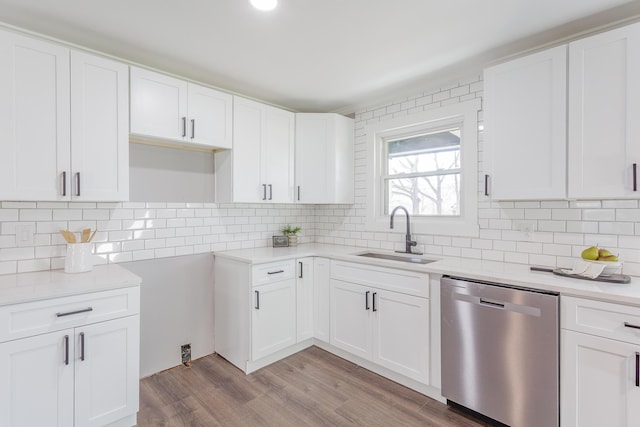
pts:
[133, 231]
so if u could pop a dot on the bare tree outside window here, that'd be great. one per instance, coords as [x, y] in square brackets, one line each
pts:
[423, 174]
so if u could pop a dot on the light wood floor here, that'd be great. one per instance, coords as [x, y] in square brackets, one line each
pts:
[310, 388]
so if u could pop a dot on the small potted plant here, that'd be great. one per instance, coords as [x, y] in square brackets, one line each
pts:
[291, 233]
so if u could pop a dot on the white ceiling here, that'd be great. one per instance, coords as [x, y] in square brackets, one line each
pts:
[315, 55]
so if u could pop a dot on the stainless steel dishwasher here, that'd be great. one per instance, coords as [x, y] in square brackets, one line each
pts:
[500, 351]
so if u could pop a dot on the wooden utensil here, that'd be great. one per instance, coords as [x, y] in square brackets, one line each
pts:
[68, 236]
[86, 233]
[92, 234]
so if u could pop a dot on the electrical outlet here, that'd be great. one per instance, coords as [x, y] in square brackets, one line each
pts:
[527, 228]
[185, 350]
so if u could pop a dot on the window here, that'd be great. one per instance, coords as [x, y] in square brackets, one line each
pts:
[423, 173]
[426, 162]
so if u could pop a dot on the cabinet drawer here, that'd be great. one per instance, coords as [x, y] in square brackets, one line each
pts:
[601, 318]
[273, 272]
[33, 318]
[406, 282]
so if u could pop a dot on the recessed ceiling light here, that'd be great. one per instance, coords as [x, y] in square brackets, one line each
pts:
[264, 4]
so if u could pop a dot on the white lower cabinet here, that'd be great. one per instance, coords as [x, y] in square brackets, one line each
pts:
[34, 374]
[600, 364]
[304, 298]
[262, 312]
[386, 327]
[351, 320]
[84, 374]
[321, 298]
[273, 319]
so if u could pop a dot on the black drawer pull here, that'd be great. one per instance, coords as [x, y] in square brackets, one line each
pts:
[630, 325]
[275, 272]
[366, 300]
[69, 313]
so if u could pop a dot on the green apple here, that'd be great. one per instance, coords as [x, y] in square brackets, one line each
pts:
[590, 253]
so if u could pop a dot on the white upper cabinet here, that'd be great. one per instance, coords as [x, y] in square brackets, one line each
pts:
[324, 163]
[63, 123]
[260, 166]
[34, 119]
[99, 128]
[604, 106]
[525, 127]
[167, 108]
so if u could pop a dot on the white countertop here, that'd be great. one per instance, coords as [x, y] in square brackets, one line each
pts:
[25, 287]
[492, 271]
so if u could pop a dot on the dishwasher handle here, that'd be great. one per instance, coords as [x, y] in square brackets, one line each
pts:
[491, 303]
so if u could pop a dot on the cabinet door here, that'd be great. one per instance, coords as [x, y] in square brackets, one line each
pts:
[34, 119]
[525, 126]
[323, 158]
[107, 371]
[604, 106]
[277, 155]
[158, 105]
[351, 324]
[304, 296]
[248, 129]
[598, 382]
[210, 117]
[401, 333]
[99, 128]
[321, 301]
[273, 320]
[313, 134]
[36, 385]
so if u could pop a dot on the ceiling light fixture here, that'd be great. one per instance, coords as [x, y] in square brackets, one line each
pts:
[264, 4]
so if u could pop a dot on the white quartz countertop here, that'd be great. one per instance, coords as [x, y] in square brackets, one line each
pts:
[491, 271]
[25, 287]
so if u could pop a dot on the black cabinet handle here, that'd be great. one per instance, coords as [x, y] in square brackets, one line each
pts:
[298, 193]
[270, 192]
[373, 298]
[82, 346]
[64, 183]
[193, 128]
[637, 369]
[366, 300]
[635, 177]
[275, 272]
[184, 127]
[300, 276]
[66, 349]
[486, 185]
[257, 300]
[69, 313]
[631, 325]
[77, 183]
[264, 191]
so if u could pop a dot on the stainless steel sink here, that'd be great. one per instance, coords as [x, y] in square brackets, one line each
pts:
[414, 260]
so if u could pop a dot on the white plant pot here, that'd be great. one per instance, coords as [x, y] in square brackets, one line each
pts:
[293, 240]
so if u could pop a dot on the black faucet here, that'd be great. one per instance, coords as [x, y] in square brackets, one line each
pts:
[408, 241]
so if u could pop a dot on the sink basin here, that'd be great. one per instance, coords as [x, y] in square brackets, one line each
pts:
[414, 260]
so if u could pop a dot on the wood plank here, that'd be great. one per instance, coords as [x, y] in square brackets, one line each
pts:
[310, 388]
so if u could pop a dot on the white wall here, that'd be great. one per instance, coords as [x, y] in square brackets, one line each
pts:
[176, 308]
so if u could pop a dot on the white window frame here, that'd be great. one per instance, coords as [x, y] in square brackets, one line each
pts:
[464, 115]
